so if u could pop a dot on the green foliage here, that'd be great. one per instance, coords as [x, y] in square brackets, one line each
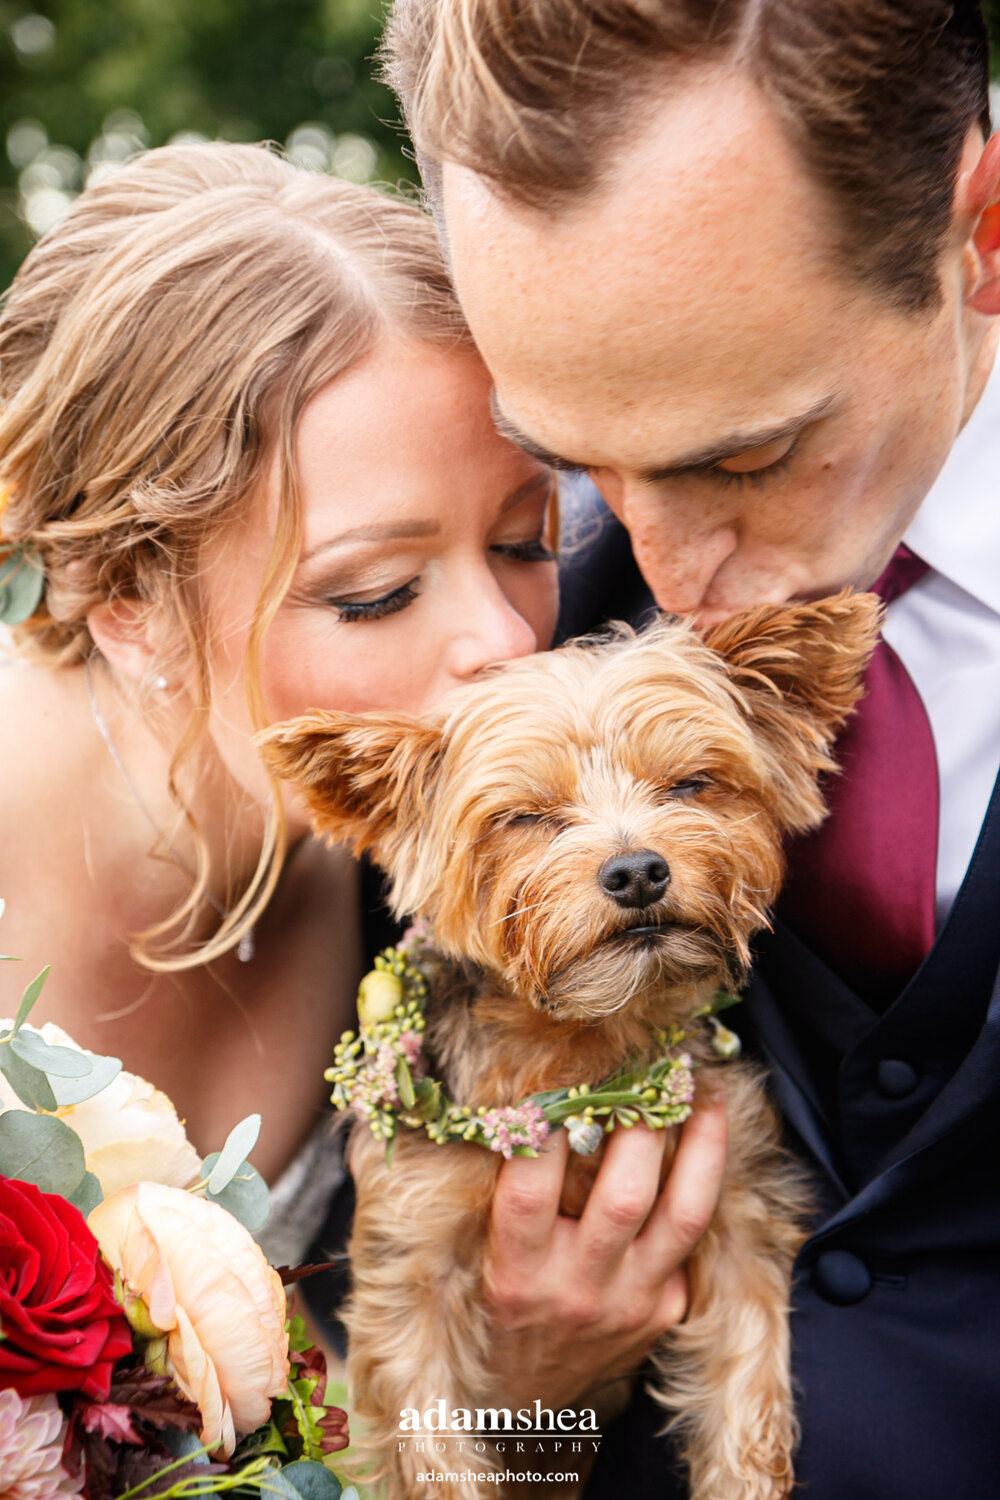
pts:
[87, 1195]
[29, 997]
[29, 1084]
[245, 1194]
[239, 1143]
[22, 583]
[62, 1062]
[312, 1481]
[84, 82]
[41, 1149]
[103, 1070]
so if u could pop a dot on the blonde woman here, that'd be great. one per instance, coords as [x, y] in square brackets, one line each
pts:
[246, 439]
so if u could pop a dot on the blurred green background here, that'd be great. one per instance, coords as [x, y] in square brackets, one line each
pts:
[85, 83]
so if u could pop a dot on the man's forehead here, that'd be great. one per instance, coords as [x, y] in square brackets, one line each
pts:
[698, 267]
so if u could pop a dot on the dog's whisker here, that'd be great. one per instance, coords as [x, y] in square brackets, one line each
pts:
[511, 914]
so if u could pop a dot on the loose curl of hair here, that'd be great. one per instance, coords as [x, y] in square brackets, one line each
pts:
[156, 349]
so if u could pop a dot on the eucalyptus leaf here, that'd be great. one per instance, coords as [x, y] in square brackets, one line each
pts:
[274, 1483]
[22, 583]
[183, 1445]
[29, 1084]
[88, 1195]
[63, 1062]
[42, 1150]
[103, 1070]
[239, 1143]
[312, 1481]
[29, 997]
[245, 1195]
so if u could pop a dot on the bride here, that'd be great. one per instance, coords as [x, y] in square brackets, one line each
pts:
[246, 455]
[245, 444]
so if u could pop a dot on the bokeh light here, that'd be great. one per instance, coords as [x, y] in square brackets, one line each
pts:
[86, 84]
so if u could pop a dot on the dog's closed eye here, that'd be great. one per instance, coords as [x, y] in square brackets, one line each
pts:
[547, 817]
[689, 787]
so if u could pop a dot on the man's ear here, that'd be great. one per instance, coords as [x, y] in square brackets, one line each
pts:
[977, 203]
[364, 776]
[800, 669]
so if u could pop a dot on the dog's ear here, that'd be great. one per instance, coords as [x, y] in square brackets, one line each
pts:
[800, 668]
[363, 776]
[812, 656]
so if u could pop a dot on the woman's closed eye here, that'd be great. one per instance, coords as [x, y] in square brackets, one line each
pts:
[531, 550]
[350, 610]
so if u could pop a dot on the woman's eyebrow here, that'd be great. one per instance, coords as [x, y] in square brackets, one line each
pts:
[380, 531]
[540, 481]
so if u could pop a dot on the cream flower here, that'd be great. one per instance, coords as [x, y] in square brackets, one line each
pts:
[130, 1130]
[205, 1285]
[31, 1442]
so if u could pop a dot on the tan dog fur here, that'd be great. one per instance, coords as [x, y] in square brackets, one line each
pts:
[493, 819]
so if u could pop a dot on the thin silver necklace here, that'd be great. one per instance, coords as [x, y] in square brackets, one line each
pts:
[247, 946]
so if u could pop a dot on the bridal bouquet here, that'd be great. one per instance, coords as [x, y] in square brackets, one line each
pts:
[145, 1347]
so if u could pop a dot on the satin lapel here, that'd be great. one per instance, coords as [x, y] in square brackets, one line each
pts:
[790, 1077]
[968, 1105]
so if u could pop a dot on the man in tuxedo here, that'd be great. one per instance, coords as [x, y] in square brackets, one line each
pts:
[740, 261]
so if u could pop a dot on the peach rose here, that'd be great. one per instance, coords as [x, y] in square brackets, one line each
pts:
[192, 1275]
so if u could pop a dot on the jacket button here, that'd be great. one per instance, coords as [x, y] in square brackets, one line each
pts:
[896, 1078]
[842, 1278]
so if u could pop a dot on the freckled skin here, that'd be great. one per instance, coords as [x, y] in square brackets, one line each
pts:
[694, 296]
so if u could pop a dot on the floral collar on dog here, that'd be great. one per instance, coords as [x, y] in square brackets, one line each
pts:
[381, 1075]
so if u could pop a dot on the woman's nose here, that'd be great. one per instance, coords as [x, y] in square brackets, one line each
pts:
[490, 630]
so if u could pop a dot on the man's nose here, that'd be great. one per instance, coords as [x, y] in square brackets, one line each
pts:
[679, 546]
[490, 630]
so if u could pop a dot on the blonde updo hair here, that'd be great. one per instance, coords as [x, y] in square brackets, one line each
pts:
[155, 350]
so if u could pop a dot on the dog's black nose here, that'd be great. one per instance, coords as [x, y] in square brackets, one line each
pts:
[635, 879]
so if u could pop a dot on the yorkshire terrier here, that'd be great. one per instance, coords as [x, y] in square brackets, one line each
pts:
[593, 835]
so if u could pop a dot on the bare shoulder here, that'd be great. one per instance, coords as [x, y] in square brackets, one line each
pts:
[41, 720]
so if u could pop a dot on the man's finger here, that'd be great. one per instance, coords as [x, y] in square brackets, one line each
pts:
[526, 1202]
[685, 1206]
[624, 1191]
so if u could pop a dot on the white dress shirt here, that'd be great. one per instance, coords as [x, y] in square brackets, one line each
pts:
[946, 631]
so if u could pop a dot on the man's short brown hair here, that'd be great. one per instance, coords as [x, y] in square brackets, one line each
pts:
[877, 96]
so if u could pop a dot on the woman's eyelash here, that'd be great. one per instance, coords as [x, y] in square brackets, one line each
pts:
[376, 609]
[533, 550]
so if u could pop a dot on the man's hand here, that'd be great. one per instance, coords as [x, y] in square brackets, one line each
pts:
[576, 1300]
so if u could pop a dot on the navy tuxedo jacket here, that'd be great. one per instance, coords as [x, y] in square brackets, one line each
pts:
[896, 1302]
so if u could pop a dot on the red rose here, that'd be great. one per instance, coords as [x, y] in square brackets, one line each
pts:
[62, 1328]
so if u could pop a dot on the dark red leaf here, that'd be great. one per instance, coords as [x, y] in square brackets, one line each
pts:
[291, 1274]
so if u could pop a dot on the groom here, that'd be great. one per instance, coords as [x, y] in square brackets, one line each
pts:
[741, 262]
